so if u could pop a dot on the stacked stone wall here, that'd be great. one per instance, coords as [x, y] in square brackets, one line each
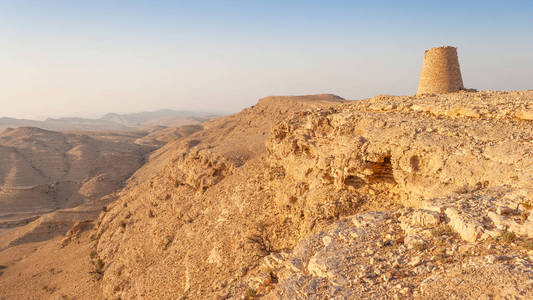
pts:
[440, 72]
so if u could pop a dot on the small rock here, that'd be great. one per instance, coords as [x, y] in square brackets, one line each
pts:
[424, 218]
[504, 210]
[464, 249]
[490, 259]
[419, 270]
[386, 277]
[326, 240]
[415, 261]
[369, 280]
[396, 263]
[468, 229]
[414, 242]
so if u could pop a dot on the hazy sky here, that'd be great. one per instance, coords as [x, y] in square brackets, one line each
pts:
[86, 58]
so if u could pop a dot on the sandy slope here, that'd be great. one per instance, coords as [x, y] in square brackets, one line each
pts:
[44, 270]
[66, 177]
[44, 170]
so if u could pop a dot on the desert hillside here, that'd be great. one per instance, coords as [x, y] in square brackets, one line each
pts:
[45, 171]
[163, 117]
[113, 121]
[315, 197]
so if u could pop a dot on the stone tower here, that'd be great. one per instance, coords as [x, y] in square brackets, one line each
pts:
[440, 72]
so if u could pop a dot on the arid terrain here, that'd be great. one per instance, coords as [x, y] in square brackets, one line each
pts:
[112, 121]
[303, 197]
[49, 180]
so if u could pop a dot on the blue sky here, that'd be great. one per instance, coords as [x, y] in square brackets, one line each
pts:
[86, 58]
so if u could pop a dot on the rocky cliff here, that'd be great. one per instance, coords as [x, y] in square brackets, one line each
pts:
[314, 197]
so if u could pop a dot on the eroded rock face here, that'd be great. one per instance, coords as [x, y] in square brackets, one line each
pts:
[302, 198]
[363, 256]
[389, 140]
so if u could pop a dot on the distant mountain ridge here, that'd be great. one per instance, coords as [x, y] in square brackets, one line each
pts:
[113, 121]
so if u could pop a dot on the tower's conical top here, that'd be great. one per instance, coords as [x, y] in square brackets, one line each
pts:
[440, 72]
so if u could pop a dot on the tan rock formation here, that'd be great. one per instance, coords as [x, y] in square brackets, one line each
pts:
[440, 72]
[245, 199]
[313, 197]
